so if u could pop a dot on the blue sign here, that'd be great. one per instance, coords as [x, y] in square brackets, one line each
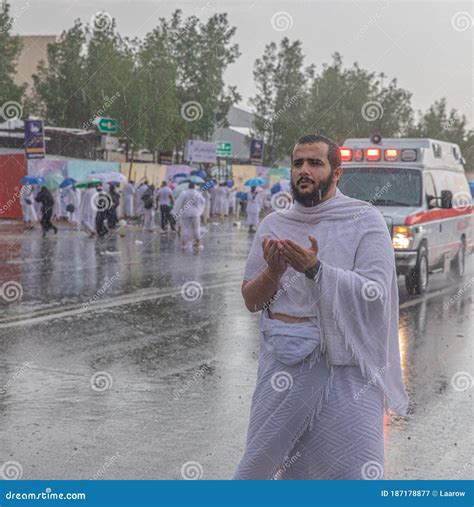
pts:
[256, 151]
[34, 139]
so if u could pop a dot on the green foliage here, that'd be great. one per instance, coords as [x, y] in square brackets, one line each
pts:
[10, 48]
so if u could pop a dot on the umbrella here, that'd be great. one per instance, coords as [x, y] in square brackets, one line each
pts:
[195, 179]
[108, 177]
[84, 184]
[242, 196]
[276, 188]
[255, 182]
[178, 176]
[180, 188]
[68, 182]
[199, 173]
[53, 180]
[32, 180]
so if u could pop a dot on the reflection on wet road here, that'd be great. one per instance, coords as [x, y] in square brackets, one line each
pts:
[128, 359]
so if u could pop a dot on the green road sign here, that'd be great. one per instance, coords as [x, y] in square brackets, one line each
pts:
[223, 149]
[107, 125]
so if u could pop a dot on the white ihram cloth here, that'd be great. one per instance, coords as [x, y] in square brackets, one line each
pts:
[188, 208]
[254, 206]
[220, 201]
[128, 197]
[331, 420]
[88, 209]
[27, 200]
[73, 196]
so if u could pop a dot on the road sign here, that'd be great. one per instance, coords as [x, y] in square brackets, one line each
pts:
[200, 151]
[107, 125]
[223, 149]
[34, 139]
[109, 143]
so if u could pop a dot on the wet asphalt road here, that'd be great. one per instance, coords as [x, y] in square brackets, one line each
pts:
[130, 359]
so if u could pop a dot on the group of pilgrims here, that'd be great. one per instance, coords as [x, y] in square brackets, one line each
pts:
[101, 208]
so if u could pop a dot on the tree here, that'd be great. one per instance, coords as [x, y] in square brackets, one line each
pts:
[10, 48]
[438, 123]
[58, 84]
[202, 52]
[281, 99]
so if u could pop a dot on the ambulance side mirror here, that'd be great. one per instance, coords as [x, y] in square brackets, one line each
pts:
[431, 200]
[446, 199]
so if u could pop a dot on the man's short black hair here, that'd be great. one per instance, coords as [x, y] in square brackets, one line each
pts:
[334, 156]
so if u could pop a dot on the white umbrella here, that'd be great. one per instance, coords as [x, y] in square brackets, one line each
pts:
[108, 177]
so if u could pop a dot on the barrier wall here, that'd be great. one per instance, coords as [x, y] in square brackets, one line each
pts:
[154, 173]
[12, 169]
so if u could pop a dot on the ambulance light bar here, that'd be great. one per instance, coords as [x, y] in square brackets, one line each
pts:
[375, 154]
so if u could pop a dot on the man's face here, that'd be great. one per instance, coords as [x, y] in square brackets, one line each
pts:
[311, 174]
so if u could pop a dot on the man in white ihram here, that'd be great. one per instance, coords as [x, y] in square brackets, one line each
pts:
[323, 276]
[188, 208]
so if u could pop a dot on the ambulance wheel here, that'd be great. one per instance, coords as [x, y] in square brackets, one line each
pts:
[458, 264]
[416, 282]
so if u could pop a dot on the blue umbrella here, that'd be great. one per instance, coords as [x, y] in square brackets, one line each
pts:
[241, 195]
[194, 179]
[276, 188]
[199, 173]
[32, 180]
[68, 182]
[255, 182]
[181, 175]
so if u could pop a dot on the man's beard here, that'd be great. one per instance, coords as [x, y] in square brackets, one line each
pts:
[309, 199]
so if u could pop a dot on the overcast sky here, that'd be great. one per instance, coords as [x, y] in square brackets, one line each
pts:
[427, 45]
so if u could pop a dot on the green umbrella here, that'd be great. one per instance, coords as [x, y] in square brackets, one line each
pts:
[84, 184]
[52, 181]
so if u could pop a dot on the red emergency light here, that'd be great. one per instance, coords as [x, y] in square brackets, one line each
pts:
[391, 154]
[373, 154]
[346, 154]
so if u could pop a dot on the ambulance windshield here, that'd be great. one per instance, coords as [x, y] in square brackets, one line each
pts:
[382, 186]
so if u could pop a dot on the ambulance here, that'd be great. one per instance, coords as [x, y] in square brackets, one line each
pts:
[420, 187]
